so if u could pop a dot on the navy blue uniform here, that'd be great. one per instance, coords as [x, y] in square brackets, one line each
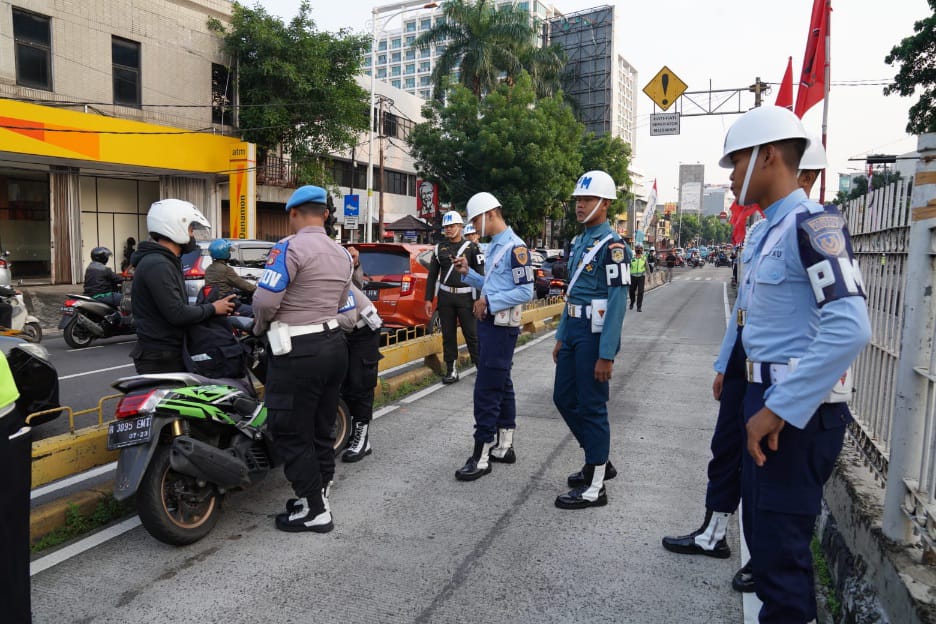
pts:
[579, 397]
[507, 282]
[806, 322]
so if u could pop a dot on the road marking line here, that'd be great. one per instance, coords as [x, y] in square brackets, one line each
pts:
[708, 279]
[84, 349]
[696, 279]
[68, 481]
[44, 563]
[94, 372]
[383, 411]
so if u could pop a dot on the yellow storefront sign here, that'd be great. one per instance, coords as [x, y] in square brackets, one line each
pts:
[55, 133]
[243, 193]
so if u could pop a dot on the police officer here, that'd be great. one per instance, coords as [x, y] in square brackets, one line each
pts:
[724, 469]
[589, 337]
[651, 259]
[638, 276]
[359, 320]
[805, 322]
[305, 282]
[506, 285]
[100, 281]
[472, 235]
[456, 298]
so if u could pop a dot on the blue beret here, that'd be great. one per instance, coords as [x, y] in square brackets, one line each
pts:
[307, 195]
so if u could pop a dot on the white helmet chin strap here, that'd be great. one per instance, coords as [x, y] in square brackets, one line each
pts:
[483, 219]
[747, 176]
[594, 210]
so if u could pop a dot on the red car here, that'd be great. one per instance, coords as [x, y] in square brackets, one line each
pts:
[395, 276]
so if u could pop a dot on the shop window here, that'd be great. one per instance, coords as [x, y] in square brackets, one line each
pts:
[222, 95]
[25, 223]
[125, 55]
[33, 36]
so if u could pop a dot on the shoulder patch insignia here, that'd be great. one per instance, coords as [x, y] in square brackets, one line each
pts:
[617, 254]
[825, 234]
[521, 254]
[272, 255]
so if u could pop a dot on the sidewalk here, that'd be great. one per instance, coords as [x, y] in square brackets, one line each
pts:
[412, 544]
[45, 302]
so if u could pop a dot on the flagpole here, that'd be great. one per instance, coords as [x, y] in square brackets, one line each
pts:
[825, 100]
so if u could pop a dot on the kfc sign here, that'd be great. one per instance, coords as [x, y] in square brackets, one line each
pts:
[427, 199]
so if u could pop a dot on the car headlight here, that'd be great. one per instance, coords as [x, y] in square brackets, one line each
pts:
[36, 350]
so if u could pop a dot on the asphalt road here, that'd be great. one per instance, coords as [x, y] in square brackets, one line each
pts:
[412, 544]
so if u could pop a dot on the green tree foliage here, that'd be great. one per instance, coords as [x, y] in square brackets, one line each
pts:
[686, 228]
[524, 150]
[916, 55]
[879, 179]
[296, 84]
[714, 231]
[484, 42]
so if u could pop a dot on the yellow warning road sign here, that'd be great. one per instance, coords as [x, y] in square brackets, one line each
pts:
[665, 88]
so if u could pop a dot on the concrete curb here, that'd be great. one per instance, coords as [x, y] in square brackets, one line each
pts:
[45, 519]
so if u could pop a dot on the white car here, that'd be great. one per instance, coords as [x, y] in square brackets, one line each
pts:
[248, 258]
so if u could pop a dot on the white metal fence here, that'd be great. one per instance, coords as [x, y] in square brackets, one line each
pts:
[880, 227]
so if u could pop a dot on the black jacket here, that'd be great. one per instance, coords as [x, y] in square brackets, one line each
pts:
[161, 311]
[99, 279]
[442, 261]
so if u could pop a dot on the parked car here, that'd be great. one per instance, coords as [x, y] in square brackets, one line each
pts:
[248, 258]
[395, 276]
[545, 283]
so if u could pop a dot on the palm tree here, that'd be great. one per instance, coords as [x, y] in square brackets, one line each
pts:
[482, 41]
[545, 66]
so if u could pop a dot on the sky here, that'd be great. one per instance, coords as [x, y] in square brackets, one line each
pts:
[730, 43]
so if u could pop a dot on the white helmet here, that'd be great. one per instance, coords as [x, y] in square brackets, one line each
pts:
[595, 184]
[759, 126]
[815, 156]
[172, 217]
[451, 218]
[481, 203]
[469, 229]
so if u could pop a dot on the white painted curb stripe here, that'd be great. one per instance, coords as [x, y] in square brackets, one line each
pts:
[63, 554]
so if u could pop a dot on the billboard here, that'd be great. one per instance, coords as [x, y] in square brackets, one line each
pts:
[427, 199]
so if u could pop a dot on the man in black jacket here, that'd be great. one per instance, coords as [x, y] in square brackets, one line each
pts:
[161, 311]
[100, 281]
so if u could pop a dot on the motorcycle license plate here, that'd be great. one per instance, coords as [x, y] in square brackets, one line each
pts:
[554, 292]
[373, 294]
[68, 310]
[129, 432]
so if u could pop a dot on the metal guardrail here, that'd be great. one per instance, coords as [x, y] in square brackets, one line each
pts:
[99, 408]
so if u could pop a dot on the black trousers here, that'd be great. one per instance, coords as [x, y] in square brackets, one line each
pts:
[456, 309]
[302, 401]
[147, 362]
[637, 290]
[361, 378]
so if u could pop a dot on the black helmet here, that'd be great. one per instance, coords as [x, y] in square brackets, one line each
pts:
[101, 254]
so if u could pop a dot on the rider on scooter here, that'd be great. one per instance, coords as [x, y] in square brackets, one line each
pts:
[100, 281]
[223, 280]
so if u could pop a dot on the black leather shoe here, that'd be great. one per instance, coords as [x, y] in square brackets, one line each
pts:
[451, 375]
[509, 457]
[686, 545]
[470, 471]
[577, 479]
[301, 518]
[743, 580]
[573, 499]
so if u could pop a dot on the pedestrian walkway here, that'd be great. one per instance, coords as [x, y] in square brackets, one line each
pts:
[412, 544]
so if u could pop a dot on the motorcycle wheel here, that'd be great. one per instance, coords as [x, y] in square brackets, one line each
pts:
[32, 332]
[172, 506]
[76, 336]
[342, 426]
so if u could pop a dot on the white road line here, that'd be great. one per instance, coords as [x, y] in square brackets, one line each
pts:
[44, 563]
[696, 279]
[79, 351]
[78, 478]
[94, 372]
[708, 279]
[424, 392]
[383, 411]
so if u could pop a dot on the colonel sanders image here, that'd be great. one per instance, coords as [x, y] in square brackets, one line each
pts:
[427, 197]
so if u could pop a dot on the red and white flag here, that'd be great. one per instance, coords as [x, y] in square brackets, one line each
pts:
[650, 210]
[812, 86]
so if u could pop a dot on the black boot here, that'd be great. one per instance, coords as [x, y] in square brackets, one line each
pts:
[451, 373]
[591, 495]
[743, 580]
[358, 445]
[709, 539]
[306, 514]
[478, 464]
[578, 479]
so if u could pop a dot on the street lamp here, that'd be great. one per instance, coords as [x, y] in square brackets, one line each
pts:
[400, 8]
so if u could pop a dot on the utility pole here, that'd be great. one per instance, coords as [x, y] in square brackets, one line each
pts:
[758, 89]
[380, 213]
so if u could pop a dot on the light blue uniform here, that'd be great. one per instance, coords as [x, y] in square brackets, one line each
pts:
[804, 298]
[508, 281]
[579, 397]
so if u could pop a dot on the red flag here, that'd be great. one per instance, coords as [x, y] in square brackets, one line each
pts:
[785, 94]
[812, 80]
[738, 220]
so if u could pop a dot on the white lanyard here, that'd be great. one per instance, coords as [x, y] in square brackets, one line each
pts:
[460, 251]
[587, 259]
[500, 255]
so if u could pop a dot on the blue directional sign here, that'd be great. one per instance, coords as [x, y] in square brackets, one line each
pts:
[352, 205]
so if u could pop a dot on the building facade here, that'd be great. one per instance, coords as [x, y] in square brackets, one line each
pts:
[715, 199]
[691, 183]
[94, 127]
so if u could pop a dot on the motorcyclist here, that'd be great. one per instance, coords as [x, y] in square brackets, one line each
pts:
[222, 280]
[161, 310]
[6, 308]
[100, 281]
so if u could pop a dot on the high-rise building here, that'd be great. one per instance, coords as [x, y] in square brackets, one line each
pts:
[715, 199]
[406, 67]
[691, 181]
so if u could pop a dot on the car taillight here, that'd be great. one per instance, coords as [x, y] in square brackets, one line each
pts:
[3, 264]
[556, 283]
[198, 269]
[540, 273]
[406, 284]
[136, 404]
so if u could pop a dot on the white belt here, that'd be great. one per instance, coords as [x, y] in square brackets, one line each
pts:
[315, 328]
[765, 372]
[578, 311]
[456, 291]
